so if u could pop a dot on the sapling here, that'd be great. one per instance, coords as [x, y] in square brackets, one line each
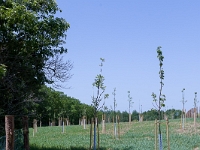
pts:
[159, 103]
[129, 105]
[115, 105]
[140, 113]
[195, 107]
[183, 111]
[99, 84]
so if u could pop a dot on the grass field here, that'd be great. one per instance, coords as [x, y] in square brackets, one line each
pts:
[137, 136]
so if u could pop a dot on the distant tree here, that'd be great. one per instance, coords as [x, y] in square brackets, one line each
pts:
[129, 105]
[135, 115]
[114, 104]
[173, 114]
[125, 116]
[150, 114]
[195, 107]
[183, 110]
[177, 114]
[52, 104]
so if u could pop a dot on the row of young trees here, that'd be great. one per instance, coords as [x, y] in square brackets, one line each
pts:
[52, 105]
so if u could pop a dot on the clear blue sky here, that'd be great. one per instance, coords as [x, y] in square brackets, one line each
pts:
[126, 33]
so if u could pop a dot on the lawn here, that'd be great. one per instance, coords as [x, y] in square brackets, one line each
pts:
[137, 136]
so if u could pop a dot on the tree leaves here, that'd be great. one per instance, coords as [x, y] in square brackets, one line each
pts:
[31, 44]
[99, 84]
[2, 70]
[161, 98]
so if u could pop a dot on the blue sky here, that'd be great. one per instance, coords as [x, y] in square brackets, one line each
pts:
[126, 33]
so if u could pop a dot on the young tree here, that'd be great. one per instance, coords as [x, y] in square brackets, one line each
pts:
[129, 105]
[114, 114]
[99, 84]
[161, 98]
[195, 108]
[114, 102]
[183, 111]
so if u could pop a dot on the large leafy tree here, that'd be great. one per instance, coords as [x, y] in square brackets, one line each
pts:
[31, 48]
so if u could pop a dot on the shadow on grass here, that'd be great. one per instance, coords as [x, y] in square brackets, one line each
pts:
[61, 148]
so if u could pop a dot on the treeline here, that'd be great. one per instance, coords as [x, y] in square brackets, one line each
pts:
[50, 105]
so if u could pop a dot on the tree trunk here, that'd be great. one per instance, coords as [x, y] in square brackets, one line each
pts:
[9, 126]
[84, 122]
[26, 132]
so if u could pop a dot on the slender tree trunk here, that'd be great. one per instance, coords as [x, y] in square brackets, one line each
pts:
[84, 122]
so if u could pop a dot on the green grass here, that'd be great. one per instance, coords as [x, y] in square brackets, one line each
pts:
[137, 136]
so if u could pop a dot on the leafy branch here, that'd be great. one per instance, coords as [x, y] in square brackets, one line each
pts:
[99, 84]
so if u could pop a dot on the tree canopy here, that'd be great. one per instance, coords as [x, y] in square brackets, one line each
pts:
[31, 48]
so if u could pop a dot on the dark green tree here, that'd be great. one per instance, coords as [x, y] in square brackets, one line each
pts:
[135, 115]
[150, 114]
[31, 40]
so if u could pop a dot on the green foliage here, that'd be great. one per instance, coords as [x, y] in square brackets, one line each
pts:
[150, 115]
[99, 84]
[2, 70]
[161, 99]
[54, 104]
[31, 44]
[173, 114]
[129, 101]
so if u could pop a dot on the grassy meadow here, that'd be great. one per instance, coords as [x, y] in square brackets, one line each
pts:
[137, 136]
